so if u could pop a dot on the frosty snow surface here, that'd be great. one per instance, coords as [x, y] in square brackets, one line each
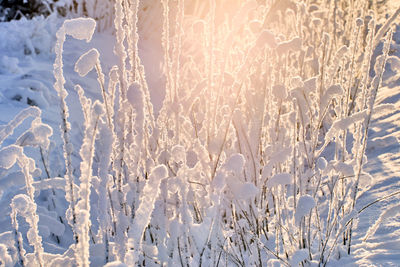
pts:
[193, 133]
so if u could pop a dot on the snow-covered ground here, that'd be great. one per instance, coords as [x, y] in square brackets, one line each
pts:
[26, 78]
[381, 247]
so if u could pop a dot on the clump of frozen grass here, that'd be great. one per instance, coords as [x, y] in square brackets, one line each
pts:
[80, 29]
[255, 156]
[276, 152]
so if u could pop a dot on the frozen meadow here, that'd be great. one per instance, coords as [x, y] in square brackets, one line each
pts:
[190, 133]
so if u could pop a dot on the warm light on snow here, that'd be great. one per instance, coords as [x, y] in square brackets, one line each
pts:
[200, 133]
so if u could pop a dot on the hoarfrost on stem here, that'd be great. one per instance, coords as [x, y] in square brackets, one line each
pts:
[143, 213]
[87, 62]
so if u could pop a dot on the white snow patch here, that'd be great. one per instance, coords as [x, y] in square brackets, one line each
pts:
[299, 256]
[331, 92]
[9, 65]
[279, 179]
[235, 163]
[305, 204]
[243, 190]
[389, 212]
[344, 168]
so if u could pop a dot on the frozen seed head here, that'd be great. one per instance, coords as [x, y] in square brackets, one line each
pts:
[87, 62]
[21, 203]
[43, 131]
[98, 108]
[331, 92]
[344, 168]
[135, 95]
[80, 28]
[305, 204]
[235, 163]
[247, 190]
[178, 154]
[296, 81]
[279, 179]
[159, 172]
[114, 74]
[37, 136]
[9, 155]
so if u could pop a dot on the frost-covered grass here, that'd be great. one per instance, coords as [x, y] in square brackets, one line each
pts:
[254, 158]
